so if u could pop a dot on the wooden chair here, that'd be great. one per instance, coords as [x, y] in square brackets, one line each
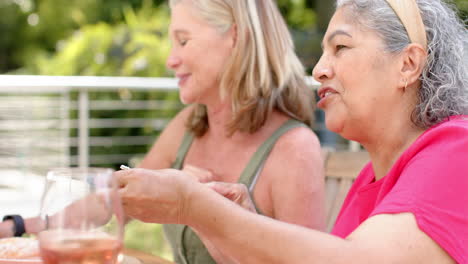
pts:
[341, 168]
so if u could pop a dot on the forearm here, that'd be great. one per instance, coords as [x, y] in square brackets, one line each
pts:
[214, 251]
[252, 238]
[34, 225]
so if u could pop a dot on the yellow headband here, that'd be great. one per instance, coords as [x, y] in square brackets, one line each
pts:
[408, 12]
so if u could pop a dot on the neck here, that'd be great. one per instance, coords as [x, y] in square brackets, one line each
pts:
[391, 140]
[391, 134]
[219, 116]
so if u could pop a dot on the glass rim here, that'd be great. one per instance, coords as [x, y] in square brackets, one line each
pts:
[80, 169]
[78, 173]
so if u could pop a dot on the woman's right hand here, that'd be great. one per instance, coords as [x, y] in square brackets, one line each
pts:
[235, 192]
[156, 196]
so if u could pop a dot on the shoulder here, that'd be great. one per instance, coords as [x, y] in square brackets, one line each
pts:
[437, 158]
[296, 153]
[454, 129]
[297, 141]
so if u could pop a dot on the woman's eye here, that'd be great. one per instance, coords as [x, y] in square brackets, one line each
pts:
[183, 42]
[340, 47]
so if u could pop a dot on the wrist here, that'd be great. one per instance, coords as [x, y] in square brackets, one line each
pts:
[197, 206]
[194, 192]
[34, 225]
[17, 227]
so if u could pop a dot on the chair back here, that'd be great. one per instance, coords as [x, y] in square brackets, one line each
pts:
[341, 169]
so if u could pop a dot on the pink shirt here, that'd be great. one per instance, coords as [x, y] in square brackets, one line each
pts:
[429, 180]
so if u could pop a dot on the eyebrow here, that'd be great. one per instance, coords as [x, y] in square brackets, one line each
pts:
[336, 33]
[179, 31]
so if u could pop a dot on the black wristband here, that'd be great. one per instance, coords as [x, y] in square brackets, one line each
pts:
[18, 224]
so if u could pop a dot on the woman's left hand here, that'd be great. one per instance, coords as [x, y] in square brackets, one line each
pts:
[156, 196]
[201, 175]
[235, 192]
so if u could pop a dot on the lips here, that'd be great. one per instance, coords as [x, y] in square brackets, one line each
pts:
[324, 93]
[183, 78]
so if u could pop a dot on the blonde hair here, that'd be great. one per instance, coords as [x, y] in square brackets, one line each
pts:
[263, 73]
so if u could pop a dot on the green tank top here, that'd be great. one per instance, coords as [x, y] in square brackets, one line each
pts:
[186, 245]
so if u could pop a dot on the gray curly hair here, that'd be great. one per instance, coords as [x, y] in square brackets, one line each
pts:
[444, 81]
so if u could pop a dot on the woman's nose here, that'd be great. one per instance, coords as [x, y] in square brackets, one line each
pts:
[322, 70]
[173, 61]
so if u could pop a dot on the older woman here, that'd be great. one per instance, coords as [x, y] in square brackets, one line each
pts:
[394, 77]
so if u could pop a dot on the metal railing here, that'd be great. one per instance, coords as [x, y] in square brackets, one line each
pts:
[47, 121]
[23, 131]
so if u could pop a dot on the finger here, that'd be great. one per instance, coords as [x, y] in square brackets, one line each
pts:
[194, 168]
[190, 172]
[219, 187]
[122, 177]
[232, 191]
[199, 174]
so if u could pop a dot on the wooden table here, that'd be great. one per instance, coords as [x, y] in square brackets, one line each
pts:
[145, 258]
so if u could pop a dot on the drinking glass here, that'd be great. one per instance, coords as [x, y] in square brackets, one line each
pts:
[83, 217]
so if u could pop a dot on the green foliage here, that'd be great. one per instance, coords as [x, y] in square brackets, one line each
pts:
[298, 14]
[148, 238]
[137, 46]
[463, 10]
[13, 28]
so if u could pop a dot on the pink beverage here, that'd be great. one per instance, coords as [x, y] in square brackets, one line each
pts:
[101, 250]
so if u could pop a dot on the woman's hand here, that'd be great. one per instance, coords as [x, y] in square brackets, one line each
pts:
[235, 192]
[155, 196]
[199, 174]
[6, 228]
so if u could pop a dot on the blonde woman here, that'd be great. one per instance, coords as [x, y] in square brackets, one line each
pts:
[248, 119]
[394, 77]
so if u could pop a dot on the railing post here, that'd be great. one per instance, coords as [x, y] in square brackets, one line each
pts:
[354, 146]
[83, 128]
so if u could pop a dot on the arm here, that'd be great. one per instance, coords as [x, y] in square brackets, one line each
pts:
[33, 225]
[252, 238]
[257, 239]
[97, 213]
[295, 173]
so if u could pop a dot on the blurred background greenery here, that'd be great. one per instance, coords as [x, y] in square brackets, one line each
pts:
[124, 38]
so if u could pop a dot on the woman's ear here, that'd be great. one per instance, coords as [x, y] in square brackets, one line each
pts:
[234, 35]
[414, 59]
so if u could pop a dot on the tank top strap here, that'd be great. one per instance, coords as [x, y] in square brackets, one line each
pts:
[255, 165]
[182, 151]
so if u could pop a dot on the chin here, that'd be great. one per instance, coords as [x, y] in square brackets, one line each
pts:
[186, 98]
[333, 124]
